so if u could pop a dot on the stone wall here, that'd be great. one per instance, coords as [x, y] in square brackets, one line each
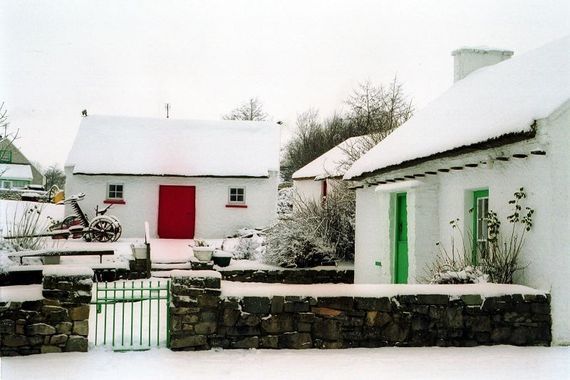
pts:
[202, 318]
[290, 276]
[56, 323]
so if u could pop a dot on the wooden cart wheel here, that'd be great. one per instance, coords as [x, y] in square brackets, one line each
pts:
[103, 229]
[118, 227]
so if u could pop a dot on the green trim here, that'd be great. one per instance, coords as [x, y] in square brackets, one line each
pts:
[5, 156]
[477, 194]
[401, 240]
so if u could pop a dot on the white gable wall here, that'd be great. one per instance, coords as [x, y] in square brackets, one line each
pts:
[447, 196]
[213, 218]
[308, 188]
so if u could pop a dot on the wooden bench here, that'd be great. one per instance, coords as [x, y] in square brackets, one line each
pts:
[52, 255]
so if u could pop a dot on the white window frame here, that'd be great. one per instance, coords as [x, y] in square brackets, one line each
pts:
[122, 191]
[236, 202]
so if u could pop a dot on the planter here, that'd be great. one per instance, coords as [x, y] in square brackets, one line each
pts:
[139, 251]
[203, 253]
[222, 259]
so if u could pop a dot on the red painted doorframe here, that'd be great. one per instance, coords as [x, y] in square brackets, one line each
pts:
[176, 212]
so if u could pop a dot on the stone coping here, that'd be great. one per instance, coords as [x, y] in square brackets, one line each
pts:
[67, 271]
[180, 273]
[256, 289]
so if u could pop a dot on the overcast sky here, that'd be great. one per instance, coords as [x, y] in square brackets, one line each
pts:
[205, 57]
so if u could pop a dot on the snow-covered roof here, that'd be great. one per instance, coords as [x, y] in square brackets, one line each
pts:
[15, 171]
[331, 163]
[492, 102]
[150, 146]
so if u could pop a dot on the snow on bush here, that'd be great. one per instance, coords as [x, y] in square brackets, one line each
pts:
[285, 201]
[250, 245]
[467, 275]
[5, 261]
[315, 233]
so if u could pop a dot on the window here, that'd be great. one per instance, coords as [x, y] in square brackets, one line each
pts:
[5, 156]
[115, 191]
[480, 232]
[6, 185]
[237, 195]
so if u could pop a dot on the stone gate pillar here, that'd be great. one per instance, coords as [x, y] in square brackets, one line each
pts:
[194, 308]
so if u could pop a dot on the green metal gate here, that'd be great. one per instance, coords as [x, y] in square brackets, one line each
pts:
[131, 315]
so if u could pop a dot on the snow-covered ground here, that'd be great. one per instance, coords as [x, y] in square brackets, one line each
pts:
[499, 362]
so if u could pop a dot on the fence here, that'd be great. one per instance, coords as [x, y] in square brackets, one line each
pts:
[131, 315]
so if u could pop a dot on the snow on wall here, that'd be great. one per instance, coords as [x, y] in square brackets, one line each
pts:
[130, 145]
[447, 196]
[213, 218]
[501, 99]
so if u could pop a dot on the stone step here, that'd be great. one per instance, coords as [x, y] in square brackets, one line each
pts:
[170, 266]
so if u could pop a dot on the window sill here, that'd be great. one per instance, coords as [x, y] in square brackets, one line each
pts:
[236, 206]
[114, 201]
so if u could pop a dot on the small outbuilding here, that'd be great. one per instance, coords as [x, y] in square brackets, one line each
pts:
[503, 125]
[316, 179]
[187, 178]
[16, 171]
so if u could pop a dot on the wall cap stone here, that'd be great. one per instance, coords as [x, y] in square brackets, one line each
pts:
[67, 271]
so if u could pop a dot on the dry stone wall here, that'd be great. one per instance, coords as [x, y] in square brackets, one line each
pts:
[57, 323]
[202, 318]
[290, 276]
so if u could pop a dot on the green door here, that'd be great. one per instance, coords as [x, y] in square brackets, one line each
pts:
[480, 210]
[401, 257]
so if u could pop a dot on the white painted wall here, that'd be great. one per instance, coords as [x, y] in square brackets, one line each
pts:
[308, 189]
[373, 218]
[213, 218]
[447, 196]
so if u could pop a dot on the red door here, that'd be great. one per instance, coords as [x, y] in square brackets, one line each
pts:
[176, 212]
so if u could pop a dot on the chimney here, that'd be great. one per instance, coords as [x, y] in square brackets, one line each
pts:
[468, 59]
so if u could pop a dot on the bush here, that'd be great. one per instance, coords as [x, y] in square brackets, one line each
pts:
[315, 232]
[499, 261]
[22, 229]
[454, 265]
[285, 202]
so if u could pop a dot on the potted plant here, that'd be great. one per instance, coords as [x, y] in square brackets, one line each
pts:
[202, 250]
[222, 258]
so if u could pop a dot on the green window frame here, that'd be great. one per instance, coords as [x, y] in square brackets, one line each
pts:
[5, 156]
[479, 224]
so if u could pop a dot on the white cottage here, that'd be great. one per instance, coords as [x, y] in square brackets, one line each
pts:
[187, 178]
[314, 180]
[498, 128]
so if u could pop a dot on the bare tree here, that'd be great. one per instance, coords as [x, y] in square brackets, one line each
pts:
[378, 109]
[250, 110]
[54, 176]
[4, 120]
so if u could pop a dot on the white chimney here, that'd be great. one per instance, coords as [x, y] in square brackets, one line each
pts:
[468, 59]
